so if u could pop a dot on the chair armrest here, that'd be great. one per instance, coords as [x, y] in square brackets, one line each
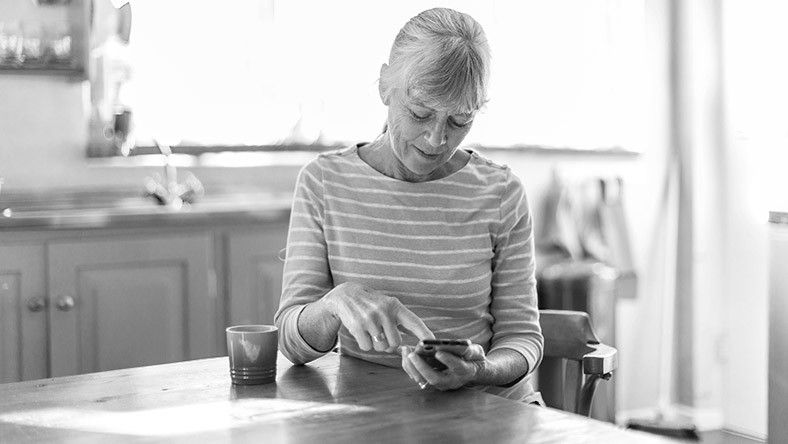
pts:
[601, 361]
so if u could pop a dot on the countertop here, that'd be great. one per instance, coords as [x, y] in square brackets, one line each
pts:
[114, 209]
[334, 399]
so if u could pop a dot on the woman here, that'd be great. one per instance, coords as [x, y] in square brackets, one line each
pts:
[408, 237]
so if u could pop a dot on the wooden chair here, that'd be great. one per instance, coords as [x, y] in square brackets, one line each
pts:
[574, 361]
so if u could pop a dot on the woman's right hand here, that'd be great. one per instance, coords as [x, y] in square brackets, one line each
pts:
[372, 317]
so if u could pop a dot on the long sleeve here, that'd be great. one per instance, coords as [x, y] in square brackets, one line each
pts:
[306, 273]
[514, 303]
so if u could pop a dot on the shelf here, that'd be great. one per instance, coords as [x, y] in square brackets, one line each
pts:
[78, 72]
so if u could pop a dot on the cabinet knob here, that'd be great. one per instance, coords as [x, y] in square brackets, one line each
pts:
[36, 304]
[64, 302]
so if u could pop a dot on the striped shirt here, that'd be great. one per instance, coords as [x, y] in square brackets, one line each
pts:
[457, 251]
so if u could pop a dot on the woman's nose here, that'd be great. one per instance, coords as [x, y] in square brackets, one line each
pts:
[437, 134]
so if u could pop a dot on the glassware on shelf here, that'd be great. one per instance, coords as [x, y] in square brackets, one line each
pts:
[32, 44]
[11, 44]
[36, 45]
[59, 45]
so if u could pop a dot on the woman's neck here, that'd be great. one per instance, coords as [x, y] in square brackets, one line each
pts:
[379, 155]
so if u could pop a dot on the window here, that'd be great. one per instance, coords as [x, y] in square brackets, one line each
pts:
[268, 74]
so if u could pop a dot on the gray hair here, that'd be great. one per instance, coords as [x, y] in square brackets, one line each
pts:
[442, 56]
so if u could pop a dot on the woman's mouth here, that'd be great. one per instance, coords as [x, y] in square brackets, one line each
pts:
[425, 155]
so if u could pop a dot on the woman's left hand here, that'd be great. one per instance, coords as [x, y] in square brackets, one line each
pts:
[460, 371]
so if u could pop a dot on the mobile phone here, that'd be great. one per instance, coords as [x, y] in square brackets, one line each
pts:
[427, 348]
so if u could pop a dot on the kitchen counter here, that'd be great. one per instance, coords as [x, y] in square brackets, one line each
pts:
[87, 277]
[334, 399]
[92, 210]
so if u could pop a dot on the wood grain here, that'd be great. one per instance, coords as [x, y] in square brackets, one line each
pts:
[335, 399]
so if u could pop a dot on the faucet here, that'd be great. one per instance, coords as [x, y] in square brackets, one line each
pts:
[170, 192]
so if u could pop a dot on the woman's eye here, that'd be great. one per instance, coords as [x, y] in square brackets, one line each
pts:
[419, 117]
[460, 124]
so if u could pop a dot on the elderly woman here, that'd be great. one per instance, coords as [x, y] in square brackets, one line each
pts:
[408, 237]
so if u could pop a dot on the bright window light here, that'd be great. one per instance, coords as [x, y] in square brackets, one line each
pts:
[566, 73]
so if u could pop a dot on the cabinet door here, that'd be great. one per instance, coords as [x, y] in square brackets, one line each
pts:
[255, 274]
[23, 341]
[128, 303]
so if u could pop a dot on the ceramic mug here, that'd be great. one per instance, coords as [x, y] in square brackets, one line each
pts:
[252, 350]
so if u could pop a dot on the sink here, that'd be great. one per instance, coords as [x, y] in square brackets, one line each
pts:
[66, 208]
[110, 211]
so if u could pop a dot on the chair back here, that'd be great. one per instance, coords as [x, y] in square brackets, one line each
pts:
[574, 361]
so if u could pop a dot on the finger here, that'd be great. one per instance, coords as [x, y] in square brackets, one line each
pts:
[379, 340]
[363, 338]
[408, 366]
[393, 337]
[460, 371]
[474, 353]
[424, 370]
[413, 324]
[451, 360]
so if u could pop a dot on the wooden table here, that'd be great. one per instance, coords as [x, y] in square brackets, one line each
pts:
[334, 399]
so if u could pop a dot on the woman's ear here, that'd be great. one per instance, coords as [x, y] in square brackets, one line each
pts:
[381, 86]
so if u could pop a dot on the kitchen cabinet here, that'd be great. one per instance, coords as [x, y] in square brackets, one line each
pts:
[132, 302]
[255, 273]
[23, 342]
[85, 300]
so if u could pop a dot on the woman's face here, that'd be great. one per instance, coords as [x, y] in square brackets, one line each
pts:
[423, 138]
